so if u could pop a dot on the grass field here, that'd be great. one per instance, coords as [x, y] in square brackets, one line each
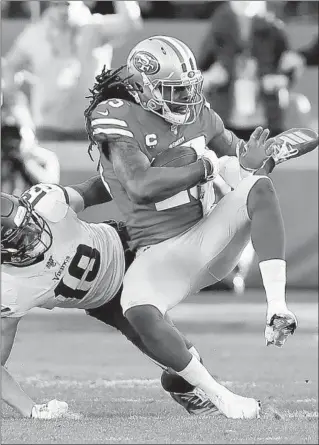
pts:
[69, 356]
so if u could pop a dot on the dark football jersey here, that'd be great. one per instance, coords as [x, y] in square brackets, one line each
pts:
[152, 223]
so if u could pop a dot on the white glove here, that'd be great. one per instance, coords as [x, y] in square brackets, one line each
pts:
[274, 82]
[51, 410]
[281, 323]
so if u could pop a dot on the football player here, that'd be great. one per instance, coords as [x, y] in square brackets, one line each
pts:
[154, 107]
[50, 258]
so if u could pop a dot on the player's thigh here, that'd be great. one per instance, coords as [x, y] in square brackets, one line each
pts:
[160, 276]
[111, 314]
[225, 234]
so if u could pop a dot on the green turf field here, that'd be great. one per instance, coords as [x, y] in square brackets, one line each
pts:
[67, 355]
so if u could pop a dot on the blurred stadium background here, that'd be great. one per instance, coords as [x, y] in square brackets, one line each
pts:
[67, 356]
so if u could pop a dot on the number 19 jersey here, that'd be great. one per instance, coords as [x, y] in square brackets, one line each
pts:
[84, 267]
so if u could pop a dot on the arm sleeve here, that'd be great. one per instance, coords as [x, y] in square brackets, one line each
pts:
[93, 191]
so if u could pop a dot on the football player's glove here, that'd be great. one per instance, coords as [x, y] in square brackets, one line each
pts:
[51, 410]
[292, 144]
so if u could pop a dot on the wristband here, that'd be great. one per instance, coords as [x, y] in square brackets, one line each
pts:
[206, 175]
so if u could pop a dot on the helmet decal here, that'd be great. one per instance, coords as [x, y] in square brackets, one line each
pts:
[146, 63]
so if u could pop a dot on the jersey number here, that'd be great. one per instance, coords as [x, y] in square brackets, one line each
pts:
[37, 192]
[81, 273]
[184, 197]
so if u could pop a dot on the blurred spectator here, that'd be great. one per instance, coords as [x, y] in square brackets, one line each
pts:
[23, 162]
[16, 9]
[64, 50]
[306, 56]
[240, 61]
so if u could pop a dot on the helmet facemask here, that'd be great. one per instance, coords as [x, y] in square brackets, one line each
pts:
[23, 245]
[177, 101]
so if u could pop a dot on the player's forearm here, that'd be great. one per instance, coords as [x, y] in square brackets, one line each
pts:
[92, 191]
[158, 183]
[225, 144]
[14, 395]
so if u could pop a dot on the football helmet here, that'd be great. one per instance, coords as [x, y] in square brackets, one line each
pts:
[163, 74]
[25, 236]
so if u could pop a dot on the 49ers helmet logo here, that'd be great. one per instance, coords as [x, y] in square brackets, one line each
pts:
[146, 62]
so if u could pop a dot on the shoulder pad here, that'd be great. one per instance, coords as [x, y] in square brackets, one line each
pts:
[49, 200]
[115, 117]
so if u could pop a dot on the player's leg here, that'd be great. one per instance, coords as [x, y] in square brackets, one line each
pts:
[194, 401]
[252, 210]
[158, 279]
[268, 239]
[111, 314]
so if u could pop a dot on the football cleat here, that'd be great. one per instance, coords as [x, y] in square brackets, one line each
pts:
[279, 328]
[292, 144]
[51, 410]
[195, 402]
[234, 406]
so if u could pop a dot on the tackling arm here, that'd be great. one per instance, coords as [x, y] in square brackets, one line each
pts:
[86, 194]
[12, 393]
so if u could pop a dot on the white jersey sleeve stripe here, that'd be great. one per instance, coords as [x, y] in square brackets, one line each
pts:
[113, 131]
[109, 121]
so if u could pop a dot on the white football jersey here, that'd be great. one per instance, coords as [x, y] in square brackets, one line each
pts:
[84, 267]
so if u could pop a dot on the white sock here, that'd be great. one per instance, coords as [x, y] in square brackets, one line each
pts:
[197, 375]
[273, 273]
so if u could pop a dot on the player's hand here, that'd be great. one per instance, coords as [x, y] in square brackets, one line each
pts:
[51, 410]
[253, 154]
[281, 323]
